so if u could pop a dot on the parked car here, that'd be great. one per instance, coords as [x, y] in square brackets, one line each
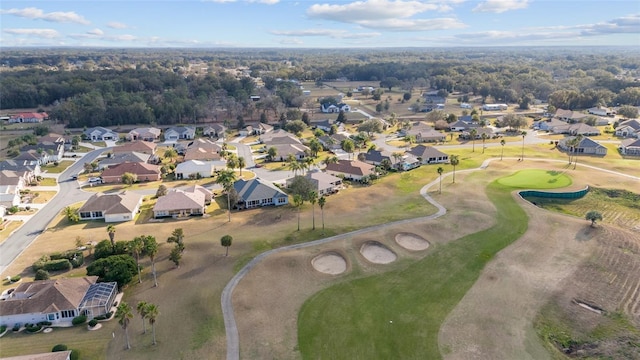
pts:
[95, 180]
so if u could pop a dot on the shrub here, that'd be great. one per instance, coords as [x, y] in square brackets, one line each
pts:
[3, 328]
[42, 274]
[15, 278]
[75, 354]
[12, 210]
[57, 265]
[93, 322]
[79, 320]
[99, 317]
[33, 328]
[16, 327]
[59, 347]
[44, 323]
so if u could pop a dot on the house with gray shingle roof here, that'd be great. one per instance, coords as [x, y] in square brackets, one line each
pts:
[257, 193]
[180, 203]
[576, 129]
[111, 207]
[429, 155]
[630, 147]
[629, 128]
[176, 133]
[586, 146]
[100, 133]
[146, 134]
[119, 158]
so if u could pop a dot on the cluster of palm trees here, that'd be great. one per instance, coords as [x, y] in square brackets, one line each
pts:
[313, 198]
[147, 311]
[296, 165]
[140, 245]
[573, 145]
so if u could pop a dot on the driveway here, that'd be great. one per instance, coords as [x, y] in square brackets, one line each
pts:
[68, 194]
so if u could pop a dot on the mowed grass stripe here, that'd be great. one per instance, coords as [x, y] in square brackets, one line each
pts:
[397, 315]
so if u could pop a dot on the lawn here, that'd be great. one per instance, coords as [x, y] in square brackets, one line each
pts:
[398, 314]
[62, 166]
[535, 178]
[9, 227]
[48, 182]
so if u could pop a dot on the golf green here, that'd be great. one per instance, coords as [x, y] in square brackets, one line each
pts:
[536, 179]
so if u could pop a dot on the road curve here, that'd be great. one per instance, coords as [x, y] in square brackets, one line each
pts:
[233, 342]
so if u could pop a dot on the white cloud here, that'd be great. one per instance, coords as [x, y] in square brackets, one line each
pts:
[267, 2]
[96, 32]
[292, 41]
[415, 25]
[369, 10]
[500, 6]
[117, 25]
[623, 25]
[40, 33]
[334, 34]
[56, 16]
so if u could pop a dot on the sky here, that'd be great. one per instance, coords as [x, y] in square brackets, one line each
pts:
[319, 23]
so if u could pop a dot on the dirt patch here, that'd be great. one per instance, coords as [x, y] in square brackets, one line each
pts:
[377, 253]
[329, 263]
[411, 241]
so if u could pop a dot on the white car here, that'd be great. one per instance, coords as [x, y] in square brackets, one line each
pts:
[95, 180]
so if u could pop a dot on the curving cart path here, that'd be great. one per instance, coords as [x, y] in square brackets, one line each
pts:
[233, 343]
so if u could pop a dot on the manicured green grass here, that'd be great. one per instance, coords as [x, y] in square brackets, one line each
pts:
[536, 179]
[62, 166]
[47, 182]
[397, 315]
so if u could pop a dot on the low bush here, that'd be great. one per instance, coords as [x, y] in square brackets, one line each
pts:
[42, 274]
[75, 354]
[79, 320]
[93, 322]
[58, 265]
[16, 327]
[3, 328]
[44, 323]
[15, 278]
[33, 328]
[59, 347]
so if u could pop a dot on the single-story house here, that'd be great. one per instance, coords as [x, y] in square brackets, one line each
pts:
[406, 162]
[601, 111]
[257, 192]
[146, 134]
[34, 157]
[58, 301]
[586, 146]
[576, 129]
[423, 133]
[180, 133]
[332, 142]
[325, 125]
[179, 203]
[208, 195]
[100, 133]
[629, 128]
[279, 137]
[198, 168]
[325, 184]
[121, 157]
[53, 150]
[376, 157]
[460, 125]
[548, 124]
[214, 130]
[204, 150]
[350, 169]
[28, 170]
[140, 146]
[10, 185]
[28, 117]
[494, 107]
[335, 108]
[630, 147]
[429, 155]
[466, 134]
[111, 207]
[569, 116]
[283, 151]
[143, 172]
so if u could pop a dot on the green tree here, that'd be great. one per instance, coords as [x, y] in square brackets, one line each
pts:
[177, 237]
[111, 230]
[484, 138]
[232, 161]
[171, 154]
[226, 241]
[118, 268]
[628, 111]
[348, 146]
[141, 308]
[593, 216]
[124, 316]
[72, 214]
[241, 164]
[454, 160]
[227, 178]
[75, 141]
[524, 134]
[313, 198]
[315, 146]
[298, 200]
[272, 152]
[152, 315]
[162, 191]
[502, 142]
[440, 171]
[473, 133]
[322, 201]
[176, 256]
[136, 247]
[151, 249]
[129, 178]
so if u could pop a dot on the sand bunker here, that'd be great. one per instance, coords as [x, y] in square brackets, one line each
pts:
[329, 263]
[411, 241]
[377, 253]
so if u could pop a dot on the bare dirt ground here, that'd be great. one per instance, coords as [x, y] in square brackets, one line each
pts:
[561, 258]
[268, 299]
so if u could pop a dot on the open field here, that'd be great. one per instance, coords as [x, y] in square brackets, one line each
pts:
[56, 169]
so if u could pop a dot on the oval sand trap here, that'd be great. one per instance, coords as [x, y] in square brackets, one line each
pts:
[377, 253]
[411, 241]
[329, 263]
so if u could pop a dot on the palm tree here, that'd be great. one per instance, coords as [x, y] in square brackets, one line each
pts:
[313, 198]
[232, 161]
[141, 308]
[298, 201]
[455, 160]
[241, 164]
[484, 138]
[473, 134]
[152, 315]
[124, 315]
[111, 229]
[524, 134]
[308, 162]
[502, 142]
[136, 246]
[272, 152]
[577, 141]
[171, 153]
[321, 202]
[331, 160]
[226, 242]
[151, 249]
[440, 171]
[226, 178]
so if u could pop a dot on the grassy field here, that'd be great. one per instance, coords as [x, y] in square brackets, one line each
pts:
[538, 179]
[12, 225]
[398, 314]
[62, 166]
[47, 182]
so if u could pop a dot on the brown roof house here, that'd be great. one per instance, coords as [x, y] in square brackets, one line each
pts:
[146, 134]
[181, 203]
[57, 301]
[111, 207]
[140, 146]
[143, 172]
[350, 169]
[203, 149]
[424, 133]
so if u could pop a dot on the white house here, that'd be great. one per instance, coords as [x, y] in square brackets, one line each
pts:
[28, 117]
[629, 128]
[111, 207]
[100, 133]
[180, 133]
[146, 134]
[257, 192]
[601, 111]
[198, 168]
[57, 301]
[335, 108]
[494, 107]
[179, 203]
